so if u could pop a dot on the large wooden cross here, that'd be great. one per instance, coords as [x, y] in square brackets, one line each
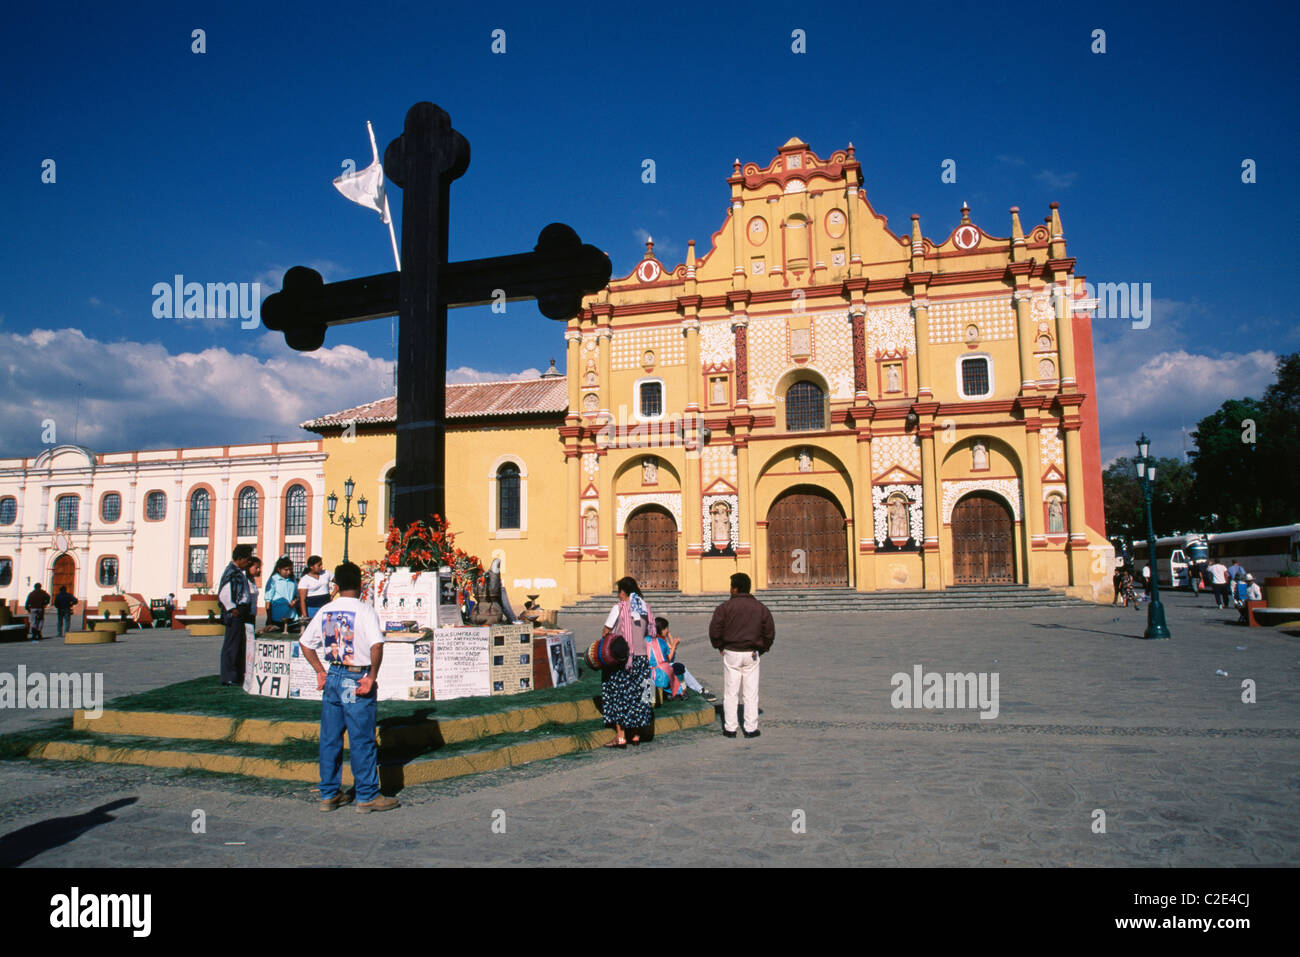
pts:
[423, 161]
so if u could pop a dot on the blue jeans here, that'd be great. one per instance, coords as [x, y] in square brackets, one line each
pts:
[342, 707]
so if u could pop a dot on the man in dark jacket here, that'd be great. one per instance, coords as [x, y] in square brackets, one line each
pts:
[64, 602]
[742, 629]
[35, 605]
[236, 602]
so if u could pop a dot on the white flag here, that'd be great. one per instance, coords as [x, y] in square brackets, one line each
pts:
[365, 188]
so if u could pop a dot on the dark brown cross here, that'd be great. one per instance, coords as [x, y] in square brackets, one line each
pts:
[423, 161]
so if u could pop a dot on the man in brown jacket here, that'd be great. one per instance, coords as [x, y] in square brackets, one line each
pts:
[742, 629]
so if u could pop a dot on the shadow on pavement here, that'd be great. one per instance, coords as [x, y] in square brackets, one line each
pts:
[25, 843]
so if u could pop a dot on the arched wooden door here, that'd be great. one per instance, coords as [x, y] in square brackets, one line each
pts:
[806, 544]
[64, 572]
[652, 549]
[983, 548]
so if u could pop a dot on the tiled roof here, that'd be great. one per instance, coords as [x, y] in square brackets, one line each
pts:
[465, 401]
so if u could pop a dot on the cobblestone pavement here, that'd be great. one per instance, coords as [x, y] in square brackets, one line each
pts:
[1092, 719]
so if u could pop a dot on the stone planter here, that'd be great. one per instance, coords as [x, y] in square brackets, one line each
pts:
[1282, 592]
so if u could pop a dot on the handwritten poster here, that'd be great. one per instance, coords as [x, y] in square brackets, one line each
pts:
[461, 658]
[270, 671]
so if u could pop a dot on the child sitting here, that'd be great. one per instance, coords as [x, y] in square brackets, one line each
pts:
[667, 669]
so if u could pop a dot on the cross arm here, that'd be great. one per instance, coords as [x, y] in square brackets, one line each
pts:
[305, 305]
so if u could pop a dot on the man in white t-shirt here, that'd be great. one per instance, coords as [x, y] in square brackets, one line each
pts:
[349, 633]
[1218, 573]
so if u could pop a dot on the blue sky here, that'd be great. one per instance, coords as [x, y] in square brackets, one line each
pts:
[217, 166]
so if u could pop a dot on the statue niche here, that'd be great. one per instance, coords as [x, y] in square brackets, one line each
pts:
[720, 529]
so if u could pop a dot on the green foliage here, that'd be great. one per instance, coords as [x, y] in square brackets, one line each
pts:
[1173, 505]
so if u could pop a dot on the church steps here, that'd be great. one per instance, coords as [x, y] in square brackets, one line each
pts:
[843, 600]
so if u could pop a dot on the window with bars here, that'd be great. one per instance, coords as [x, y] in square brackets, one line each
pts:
[295, 511]
[199, 503]
[198, 565]
[247, 520]
[390, 485]
[508, 496]
[651, 400]
[108, 572]
[6, 571]
[297, 552]
[975, 377]
[155, 506]
[805, 408]
[66, 510]
[8, 510]
[110, 508]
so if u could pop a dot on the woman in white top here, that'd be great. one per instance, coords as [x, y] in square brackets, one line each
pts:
[314, 587]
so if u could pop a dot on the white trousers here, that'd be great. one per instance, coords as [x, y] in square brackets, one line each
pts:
[739, 677]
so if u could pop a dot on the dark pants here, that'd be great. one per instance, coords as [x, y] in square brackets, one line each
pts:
[65, 622]
[1221, 595]
[232, 649]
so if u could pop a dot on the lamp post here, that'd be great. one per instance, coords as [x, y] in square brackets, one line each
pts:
[347, 521]
[1146, 471]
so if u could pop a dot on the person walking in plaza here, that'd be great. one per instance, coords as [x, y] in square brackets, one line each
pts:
[37, 600]
[1218, 573]
[1146, 581]
[1235, 571]
[743, 630]
[627, 691]
[313, 587]
[63, 605]
[349, 633]
[234, 596]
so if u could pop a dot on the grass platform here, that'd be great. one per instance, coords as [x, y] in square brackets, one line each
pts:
[202, 725]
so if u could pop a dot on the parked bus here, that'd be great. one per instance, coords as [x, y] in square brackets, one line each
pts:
[1263, 552]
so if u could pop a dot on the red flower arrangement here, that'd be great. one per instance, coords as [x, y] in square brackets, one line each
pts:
[427, 546]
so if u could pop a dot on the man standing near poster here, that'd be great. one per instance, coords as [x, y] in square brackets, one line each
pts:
[349, 633]
[233, 595]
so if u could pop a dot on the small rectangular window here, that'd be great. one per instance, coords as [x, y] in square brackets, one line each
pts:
[198, 565]
[975, 377]
[652, 400]
[498, 660]
[108, 572]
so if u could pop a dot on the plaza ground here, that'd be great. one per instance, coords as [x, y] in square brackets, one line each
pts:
[1091, 718]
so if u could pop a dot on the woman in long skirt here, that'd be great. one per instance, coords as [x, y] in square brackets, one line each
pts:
[627, 692]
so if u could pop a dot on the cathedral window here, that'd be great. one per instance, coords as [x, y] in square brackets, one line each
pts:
[975, 380]
[650, 399]
[805, 408]
[508, 496]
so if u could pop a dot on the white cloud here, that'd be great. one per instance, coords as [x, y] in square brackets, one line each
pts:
[465, 374]
[663, 247]
[137, 395]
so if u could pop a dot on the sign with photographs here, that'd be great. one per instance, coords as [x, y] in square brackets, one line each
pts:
[403, 596]
[563, 657]
[461, 663]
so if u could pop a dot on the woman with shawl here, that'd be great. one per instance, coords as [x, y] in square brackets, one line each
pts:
[627, 691]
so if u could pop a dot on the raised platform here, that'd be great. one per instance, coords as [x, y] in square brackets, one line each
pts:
[201, 725]
[831, 600]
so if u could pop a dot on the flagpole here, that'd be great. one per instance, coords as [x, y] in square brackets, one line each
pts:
[388, 216]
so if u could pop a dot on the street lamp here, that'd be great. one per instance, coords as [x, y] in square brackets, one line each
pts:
[347, 521]
[1146, 470]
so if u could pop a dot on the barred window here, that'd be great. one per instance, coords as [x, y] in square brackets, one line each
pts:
[8, 510]
[390, 487]
[805, 408]
[66, 510]
[108, 572]
[6, 571]
[110, 508]
[508, 496]
[295, 518]
[247, 513]
[297, 552]
[198, 565]
[975, 377]
[199, 513]
[652, 400]
[155, 506]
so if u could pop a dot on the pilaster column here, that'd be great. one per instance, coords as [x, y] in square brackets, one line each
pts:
[1078, 547]
[921, 314]
[603, 339]
[929, 509]
[1064, 301]
[1033, 483]
[864, 519]
[740, 329]
[573, 368]
[573, 520]
[1027, 335]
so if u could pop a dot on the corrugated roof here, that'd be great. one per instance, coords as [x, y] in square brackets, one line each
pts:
[468, 400]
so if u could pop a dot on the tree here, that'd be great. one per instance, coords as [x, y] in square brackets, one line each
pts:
[1173, 503]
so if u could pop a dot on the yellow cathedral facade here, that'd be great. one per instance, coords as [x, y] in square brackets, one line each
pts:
[816, 401]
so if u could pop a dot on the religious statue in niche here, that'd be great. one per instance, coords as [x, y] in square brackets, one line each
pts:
[1046, 370]
[897, 510]
[1044, 342]
[591, 528]
[1055, 515]
[719, 391]
[979, 457]
[591, 379]
[649, 471]
[805, 460]
[590, 403]
[720, 529]
[893, 382]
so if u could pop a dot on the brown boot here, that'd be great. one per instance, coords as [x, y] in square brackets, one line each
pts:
[381, 803]
[336, 802]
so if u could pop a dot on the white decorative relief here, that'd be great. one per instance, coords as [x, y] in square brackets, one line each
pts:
[1051, 449]
[890, 329]
[717, 343]
[733, 505]
[994, 317]
[1008, 489]
[891, 450]
[717, 462]
[590, 465]
[629, 347]
[834, 349]
[672, 501]
[915, 517]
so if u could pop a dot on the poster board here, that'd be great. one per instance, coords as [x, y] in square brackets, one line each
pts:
[269, 671]
[277, 668]
[563, 657]
[403, 595]
[461, 663]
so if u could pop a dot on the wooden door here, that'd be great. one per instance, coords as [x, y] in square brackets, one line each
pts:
[806, 543]
[64, 573]
[983, 551]
[652, 550]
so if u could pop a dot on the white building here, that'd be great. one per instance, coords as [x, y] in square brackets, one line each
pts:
[153, 522]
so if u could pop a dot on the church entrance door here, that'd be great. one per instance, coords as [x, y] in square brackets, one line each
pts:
[652, 549]
[806, 544]
[63, 573]
[983, 552]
